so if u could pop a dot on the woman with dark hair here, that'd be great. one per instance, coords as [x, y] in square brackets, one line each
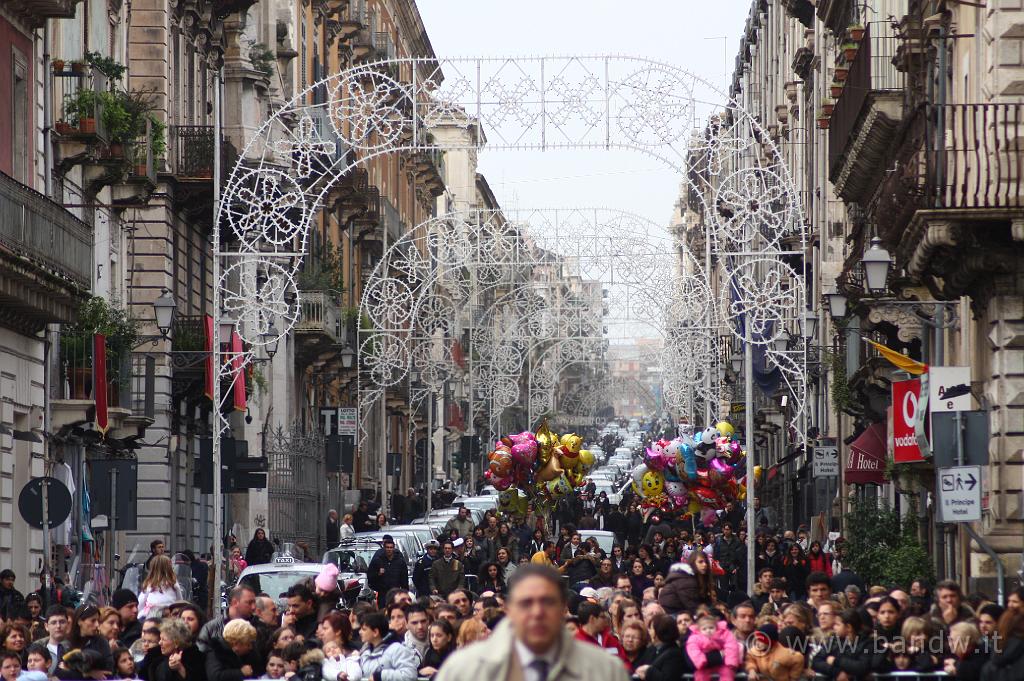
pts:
[442, 643]
[795, 568]
[536, 544]
[638, 580]
[619, 561]
[668, 661]
[1008, 663]
[634, 525]
[260, 550]
[382, 521]
[850, 653]
[770, 558]
[818, 560]
[193, 618]
[491, 579]
[645, 554]
[15, 638]
[506, 539]
[888, 620]
[84, 633]
[688, 586]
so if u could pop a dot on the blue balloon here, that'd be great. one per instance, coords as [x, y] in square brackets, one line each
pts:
[689, 461]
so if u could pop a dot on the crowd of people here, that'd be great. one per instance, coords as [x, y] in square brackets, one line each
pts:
[669, 600]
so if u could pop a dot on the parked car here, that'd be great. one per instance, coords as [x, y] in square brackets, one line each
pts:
[285, 571]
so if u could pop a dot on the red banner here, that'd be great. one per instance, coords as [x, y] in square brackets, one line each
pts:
[99, 381]
[237, 376]
[906, 400]
[208, 328]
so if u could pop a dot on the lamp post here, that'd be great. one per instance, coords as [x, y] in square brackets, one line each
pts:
[837, 301]
[165, 309]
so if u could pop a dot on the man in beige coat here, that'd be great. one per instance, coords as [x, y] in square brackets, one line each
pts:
[532, 643]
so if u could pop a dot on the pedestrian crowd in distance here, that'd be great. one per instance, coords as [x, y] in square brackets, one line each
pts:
[666, 602]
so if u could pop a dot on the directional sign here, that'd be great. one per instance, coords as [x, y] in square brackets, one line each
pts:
[950, 388]
[960, 494]
[826, 462]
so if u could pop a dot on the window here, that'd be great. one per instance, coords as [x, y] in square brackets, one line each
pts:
[19, 117]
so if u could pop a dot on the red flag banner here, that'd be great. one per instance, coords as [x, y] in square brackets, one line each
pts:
[99, 381]
[208, 327]
[237, 377]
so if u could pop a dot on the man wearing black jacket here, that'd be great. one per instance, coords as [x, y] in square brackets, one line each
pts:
[387, 570]
[302, 610]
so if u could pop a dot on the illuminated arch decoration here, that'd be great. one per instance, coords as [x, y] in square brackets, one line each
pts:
[529, 103]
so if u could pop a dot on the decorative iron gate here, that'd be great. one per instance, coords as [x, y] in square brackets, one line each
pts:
[297, 486]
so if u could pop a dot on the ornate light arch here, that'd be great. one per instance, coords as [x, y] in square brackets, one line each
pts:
[528, 103]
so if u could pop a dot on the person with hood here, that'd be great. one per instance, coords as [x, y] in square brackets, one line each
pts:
[689, 585]
[768, 660]
[384, 657]
[260, 550]
[712, 649]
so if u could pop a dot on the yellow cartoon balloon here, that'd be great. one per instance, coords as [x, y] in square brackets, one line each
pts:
[572, 442]
[652, 483]
[725, 428]
[695, 504]
[758, 470]
[586, 458]
[559, 487]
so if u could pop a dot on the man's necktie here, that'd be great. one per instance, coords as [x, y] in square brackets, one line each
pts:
[540, 668]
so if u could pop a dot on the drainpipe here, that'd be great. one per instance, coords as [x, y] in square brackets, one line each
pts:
[47, 118]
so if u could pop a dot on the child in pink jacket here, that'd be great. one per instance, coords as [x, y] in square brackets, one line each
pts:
[709, 634]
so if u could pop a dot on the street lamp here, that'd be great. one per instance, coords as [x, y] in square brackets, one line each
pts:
[810, 324]
[836, 304]
[348, 355]
[737, 363]
[876, 263]
[782, 341]
[164, 307]
[270, 340]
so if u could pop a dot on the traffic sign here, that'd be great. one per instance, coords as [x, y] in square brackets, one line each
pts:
[825, 462]
[950, 388]
[348, 421]
[960, 494]
[58, 503]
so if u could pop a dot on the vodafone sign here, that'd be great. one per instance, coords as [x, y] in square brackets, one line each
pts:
[906, 403]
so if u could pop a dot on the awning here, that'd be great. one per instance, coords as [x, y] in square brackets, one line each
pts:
[866, 465]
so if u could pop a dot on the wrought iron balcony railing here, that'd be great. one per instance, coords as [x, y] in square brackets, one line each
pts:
[956, 156]
[44, 232]
[191, 153]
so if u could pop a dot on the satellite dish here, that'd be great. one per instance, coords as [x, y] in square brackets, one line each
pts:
[58, 503]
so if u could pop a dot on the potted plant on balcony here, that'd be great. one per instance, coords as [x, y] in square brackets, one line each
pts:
[95, 316]
[57, 65]
[262, 59]
[855, 32]
[112, 69]
[823, 121]
[849, 51]
[836, 89]
[841, 72]
[827, 106]
[80, 111]
[78, 67]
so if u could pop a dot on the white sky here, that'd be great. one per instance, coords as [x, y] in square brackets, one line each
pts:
[687, 33]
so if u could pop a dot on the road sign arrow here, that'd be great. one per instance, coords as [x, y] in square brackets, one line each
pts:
[971, 481]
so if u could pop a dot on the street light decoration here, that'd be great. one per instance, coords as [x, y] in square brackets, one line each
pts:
[877, 263]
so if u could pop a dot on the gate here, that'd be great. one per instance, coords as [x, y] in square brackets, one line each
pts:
[297, 486]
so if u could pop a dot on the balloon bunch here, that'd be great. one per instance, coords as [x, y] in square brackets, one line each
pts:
[694, 472]
[537, 467]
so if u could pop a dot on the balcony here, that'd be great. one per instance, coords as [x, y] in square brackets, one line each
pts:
[319, 327]
[36, 12]
[352, 19]
[429, 169]
[45, 258]
[953, 204]
[866, 117]
[128, 388]
[190, 163]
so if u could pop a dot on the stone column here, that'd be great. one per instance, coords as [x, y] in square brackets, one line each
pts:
[1004, 389]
